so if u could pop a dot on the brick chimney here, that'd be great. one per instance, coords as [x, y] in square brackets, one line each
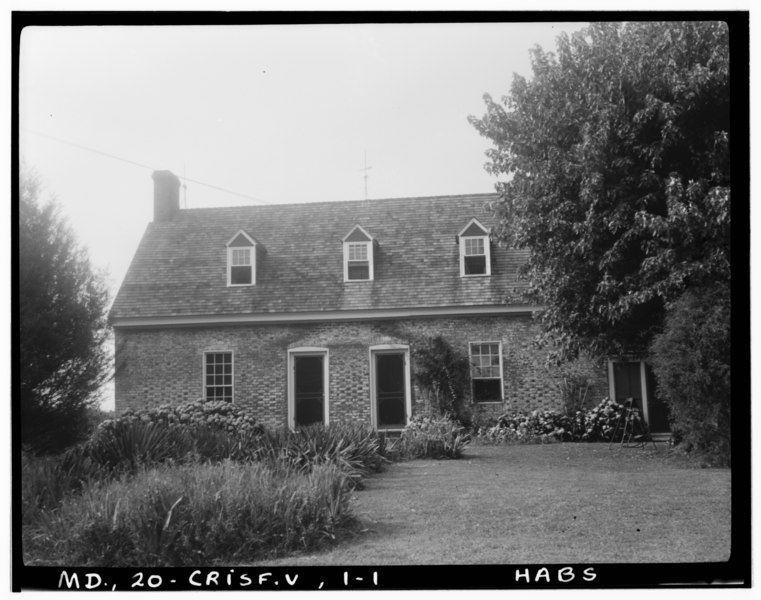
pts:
[166, 195]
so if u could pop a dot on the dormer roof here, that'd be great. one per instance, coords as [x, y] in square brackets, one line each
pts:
[241, 239]
[358, 234]
[473, 229]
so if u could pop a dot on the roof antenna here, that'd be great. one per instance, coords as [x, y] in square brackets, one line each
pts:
[366, 169]
[184, 188]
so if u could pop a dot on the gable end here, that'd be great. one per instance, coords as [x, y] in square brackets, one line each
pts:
[473, 229]
[358, 234]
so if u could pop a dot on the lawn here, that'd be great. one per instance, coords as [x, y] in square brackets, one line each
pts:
[555, 503]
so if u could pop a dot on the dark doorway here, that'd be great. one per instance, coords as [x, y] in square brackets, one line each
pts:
[628, 383]
[390, 391]
[657, 411]
[309, 390]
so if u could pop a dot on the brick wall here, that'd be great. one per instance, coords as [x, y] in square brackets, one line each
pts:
[155, 367]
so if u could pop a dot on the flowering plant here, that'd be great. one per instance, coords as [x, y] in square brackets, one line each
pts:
[434, 437]
[543, 426]
[214, 414]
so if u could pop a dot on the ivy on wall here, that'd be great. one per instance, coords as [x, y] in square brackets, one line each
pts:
[444, 372]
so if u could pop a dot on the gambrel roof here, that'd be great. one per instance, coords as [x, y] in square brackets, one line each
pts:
[179, 268]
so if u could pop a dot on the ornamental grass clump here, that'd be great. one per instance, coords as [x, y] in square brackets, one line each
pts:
[127, 444]
[433, 437]
[354, 448]
[192, 514]
[47, 480]
[187, 434]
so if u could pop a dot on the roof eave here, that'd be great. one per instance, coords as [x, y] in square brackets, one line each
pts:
[324, 316]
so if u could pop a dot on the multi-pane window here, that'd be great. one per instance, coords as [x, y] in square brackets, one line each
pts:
[357, 261]
[358, 255]
[240, 266]
[486, 371]
[475, 253]
[218, 376]
[358, 252]
[474, 256]
[241, 260]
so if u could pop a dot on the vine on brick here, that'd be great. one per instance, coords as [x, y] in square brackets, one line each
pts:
[444, 372]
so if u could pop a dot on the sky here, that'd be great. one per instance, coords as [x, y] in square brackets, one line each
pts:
[275, 114]
[256, 114]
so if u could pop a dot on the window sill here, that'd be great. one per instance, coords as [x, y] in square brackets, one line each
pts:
[477, 403]
[476, 275]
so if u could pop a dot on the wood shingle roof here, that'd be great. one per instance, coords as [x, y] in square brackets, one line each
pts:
[179, 268]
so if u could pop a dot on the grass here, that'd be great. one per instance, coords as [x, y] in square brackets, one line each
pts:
[191, 514]
[141, 493]
[555, 503]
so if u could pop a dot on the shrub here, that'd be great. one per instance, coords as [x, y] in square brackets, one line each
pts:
[191, 431]
[597, 424]
[192, 514]
[601, 421]
[213, 414]
[691, 362]
[433, 437]
[537, 427]
[131, 441]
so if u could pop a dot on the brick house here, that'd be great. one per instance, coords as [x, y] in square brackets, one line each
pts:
[307, 313]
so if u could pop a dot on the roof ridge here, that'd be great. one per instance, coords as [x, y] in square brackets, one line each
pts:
[344, 202]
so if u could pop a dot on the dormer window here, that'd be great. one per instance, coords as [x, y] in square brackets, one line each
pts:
[358, 255]
[241, 260]
[475, 255]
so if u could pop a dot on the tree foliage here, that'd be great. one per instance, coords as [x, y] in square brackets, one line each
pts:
[614, 167]
[690, 359]
[62, 327]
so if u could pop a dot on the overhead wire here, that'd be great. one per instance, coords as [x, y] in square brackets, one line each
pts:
[137, 164]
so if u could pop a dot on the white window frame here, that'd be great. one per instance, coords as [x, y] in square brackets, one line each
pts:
[501, 372]
[204, 385]
[369, 245]
[487, 249]
[390, 349]
[291, 365]
[252, 265]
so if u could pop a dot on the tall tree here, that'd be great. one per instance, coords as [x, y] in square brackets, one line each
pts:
[62, 302]
[614, 167]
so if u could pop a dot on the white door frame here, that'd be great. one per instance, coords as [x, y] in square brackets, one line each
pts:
[374, 351]
[307, 351]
